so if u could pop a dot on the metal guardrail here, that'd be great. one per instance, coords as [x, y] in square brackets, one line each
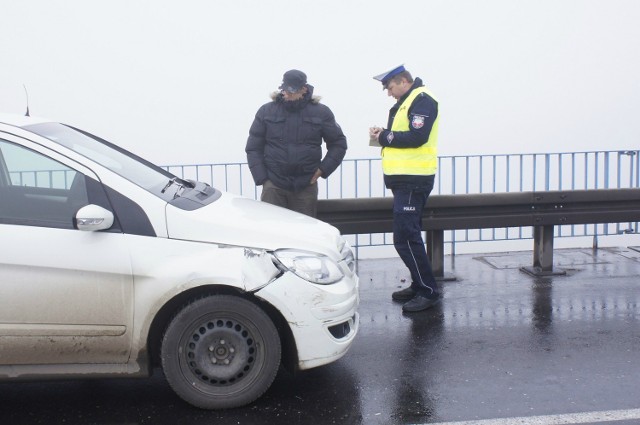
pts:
[541, 210]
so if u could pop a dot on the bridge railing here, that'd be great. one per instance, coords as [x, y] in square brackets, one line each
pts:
[362, 178]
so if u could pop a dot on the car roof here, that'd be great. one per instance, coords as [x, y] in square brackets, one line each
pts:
[21, 120]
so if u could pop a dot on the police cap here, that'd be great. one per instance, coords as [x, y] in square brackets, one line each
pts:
[385, 77]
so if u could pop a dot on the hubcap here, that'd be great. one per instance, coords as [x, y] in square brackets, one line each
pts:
[220, 352]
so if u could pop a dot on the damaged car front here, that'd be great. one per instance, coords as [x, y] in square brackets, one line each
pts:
[297, 264]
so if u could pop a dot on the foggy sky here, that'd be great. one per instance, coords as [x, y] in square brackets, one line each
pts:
[180, 82]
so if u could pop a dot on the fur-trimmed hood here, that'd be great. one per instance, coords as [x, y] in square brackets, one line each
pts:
[276, 96]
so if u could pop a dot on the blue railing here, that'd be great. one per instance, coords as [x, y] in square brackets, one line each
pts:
[362, 178]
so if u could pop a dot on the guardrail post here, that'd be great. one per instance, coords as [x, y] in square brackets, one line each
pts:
[435, 253]
[542, 253]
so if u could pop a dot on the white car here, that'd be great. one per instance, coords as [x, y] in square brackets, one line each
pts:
[110, 266]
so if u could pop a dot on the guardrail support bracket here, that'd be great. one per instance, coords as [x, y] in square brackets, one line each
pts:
[543, 253]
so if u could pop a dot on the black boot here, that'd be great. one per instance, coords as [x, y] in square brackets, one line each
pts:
[419, 303]
[404, 295]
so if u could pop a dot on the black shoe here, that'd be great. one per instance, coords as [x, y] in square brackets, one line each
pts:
[419, 303]
[404, 295]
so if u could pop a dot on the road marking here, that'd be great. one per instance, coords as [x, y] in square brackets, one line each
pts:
[566, 419]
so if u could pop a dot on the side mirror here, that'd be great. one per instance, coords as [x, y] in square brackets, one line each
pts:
[93, 217]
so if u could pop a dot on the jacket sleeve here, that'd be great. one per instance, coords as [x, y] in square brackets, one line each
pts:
[255, 148]
[422, 114]
[336, 143]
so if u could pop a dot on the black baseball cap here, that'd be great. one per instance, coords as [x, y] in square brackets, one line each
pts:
[293, 80]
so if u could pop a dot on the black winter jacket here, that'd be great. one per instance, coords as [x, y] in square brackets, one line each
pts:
[285, 142]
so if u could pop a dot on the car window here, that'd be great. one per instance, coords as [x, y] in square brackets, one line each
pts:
[116, 159]
[37, 190]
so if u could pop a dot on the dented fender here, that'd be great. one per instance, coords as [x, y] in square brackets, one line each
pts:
[258, 269]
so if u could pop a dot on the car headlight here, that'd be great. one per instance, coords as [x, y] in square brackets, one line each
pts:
[315, 268]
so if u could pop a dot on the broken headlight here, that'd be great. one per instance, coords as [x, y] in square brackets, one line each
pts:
[315, 268]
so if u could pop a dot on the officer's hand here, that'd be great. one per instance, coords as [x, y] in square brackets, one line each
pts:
[374, 133]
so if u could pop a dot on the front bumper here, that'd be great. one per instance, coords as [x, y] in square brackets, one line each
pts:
[323, 318]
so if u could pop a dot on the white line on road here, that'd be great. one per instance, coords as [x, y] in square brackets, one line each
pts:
[566, 419]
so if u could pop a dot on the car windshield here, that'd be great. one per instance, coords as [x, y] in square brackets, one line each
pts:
[131, 167]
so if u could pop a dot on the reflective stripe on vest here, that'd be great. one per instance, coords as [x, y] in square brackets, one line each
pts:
[420, 161]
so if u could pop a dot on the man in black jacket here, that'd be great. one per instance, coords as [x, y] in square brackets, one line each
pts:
[284, 148]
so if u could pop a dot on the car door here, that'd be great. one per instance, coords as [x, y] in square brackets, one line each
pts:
[65, 294]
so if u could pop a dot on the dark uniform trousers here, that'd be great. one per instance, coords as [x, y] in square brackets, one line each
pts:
[408, 205]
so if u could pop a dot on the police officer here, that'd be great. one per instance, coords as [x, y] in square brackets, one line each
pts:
[409, 162]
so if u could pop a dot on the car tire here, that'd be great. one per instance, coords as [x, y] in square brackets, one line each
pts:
[220, 352]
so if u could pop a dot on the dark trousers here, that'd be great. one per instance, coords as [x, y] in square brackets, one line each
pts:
[408, 204]
[305, 201]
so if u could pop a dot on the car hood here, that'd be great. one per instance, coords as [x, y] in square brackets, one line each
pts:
[239, 221]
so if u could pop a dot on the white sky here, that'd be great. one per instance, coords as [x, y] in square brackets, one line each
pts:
[179, 82]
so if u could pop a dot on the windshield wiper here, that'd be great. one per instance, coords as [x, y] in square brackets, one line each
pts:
[182, 184]
[166, 186]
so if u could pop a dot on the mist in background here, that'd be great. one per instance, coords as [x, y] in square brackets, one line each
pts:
[180, 82]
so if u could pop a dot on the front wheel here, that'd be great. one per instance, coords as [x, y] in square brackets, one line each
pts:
[220, 351]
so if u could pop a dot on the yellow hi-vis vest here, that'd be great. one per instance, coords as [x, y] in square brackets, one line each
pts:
[420, 161]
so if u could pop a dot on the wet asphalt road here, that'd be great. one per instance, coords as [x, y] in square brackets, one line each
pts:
[502, 344]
